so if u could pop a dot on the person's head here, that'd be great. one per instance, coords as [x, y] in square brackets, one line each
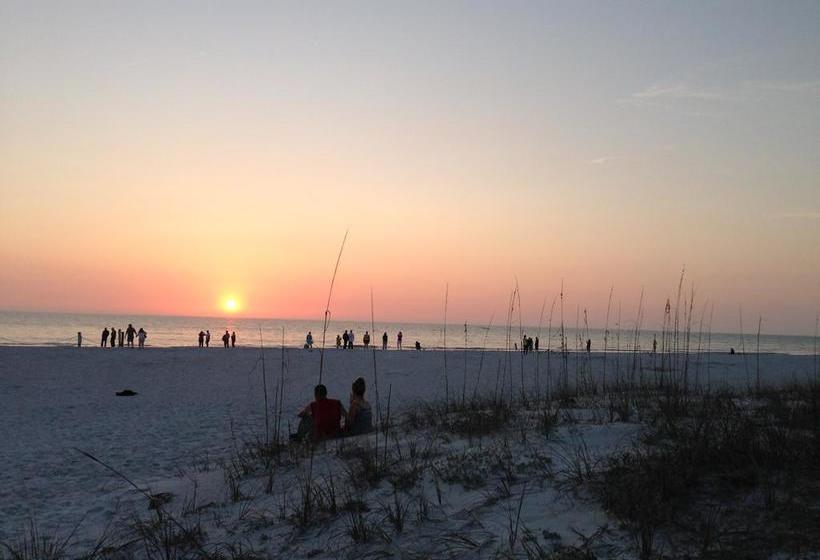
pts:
[320, 392]
[130, 325]
[359, 387]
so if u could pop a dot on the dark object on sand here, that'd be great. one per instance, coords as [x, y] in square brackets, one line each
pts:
[156, 501]
[126, 393]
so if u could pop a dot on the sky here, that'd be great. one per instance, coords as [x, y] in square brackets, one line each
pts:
[162, 157]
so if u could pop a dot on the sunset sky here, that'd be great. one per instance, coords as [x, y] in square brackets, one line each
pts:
[160, 157]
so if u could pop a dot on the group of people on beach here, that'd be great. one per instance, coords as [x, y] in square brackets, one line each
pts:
[118, 337]
[346, 340]
[228, 339]
[322, 418]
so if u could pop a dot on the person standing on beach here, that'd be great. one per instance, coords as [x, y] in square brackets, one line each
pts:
[141, 336]
[104, 340]
[207, 338]
[366, 339]
[309, 341]
[350, 338]
[129, 334]
[233, 339]
[338, 341]
[384, 341]
[121, 334]
[113, 338]
[589, 345]
[225, 338]
[398, 340]
[345, 340]
[536, 344]
[654, 344]
[201, 339]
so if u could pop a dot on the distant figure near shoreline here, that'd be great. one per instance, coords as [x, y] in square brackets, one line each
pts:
[104, 339]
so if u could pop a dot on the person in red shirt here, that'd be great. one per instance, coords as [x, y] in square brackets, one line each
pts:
[322, 418]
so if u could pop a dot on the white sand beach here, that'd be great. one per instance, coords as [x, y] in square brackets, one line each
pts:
[195, 408]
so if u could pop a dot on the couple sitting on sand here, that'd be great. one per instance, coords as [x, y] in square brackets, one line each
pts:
[322, 418]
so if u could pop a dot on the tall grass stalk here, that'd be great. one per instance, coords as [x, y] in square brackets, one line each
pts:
[816, 363]
[606, 336]
[481, 357]
[521, 338]
[327, 307]
[264, 387]
[538, 338]
[549, 350]
[375, 369]
[464, 382]
[757, 354]
[637, 341]
[743, 347]
[446, 381]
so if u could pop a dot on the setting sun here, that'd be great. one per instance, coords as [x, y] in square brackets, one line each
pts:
[230, 305]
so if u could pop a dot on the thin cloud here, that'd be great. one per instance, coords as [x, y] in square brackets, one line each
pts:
[601, 160]
[795, 216]
[681, 91]
[808, 86]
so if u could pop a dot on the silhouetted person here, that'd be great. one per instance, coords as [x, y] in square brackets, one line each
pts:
[338, 341]
[345, 339]
[731, 351]
[121, 334]
[654, 344]
[536, 344]
[141, 336]
[322, 418]
[398, 340]
[366, 339]
[129, 334]
[589, 345]
[207, 338]
[309, 341]
[350, 337]
[201, 339]
[418, 345]
[104, 339]
[384, 341]
[226, 338]
[113, 338]
[359, 416]
[233, 339]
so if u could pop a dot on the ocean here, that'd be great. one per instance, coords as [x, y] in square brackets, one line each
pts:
[60, 329]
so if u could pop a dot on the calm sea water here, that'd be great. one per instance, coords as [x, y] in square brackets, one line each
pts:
[60, 329]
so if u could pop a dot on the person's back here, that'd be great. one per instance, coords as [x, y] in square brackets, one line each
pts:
[360, 415]
[233, 339]
[104, 340]
[327, 417]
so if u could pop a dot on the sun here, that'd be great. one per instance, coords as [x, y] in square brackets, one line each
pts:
[230, 304]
